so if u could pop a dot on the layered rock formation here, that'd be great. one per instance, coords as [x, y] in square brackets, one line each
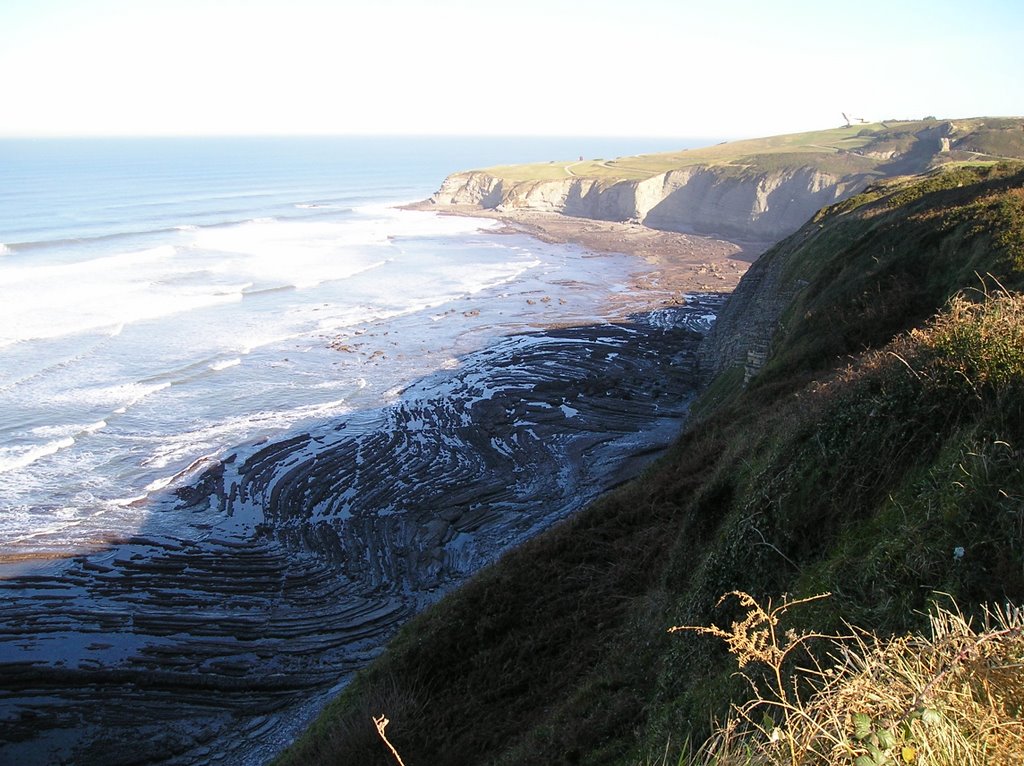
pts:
[759, 190]
[743, 331]
[305, 555]
[746, 204]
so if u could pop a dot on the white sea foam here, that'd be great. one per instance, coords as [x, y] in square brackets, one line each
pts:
[405, 223]
[211, 437]
[4, 249]
[21, 524]
[54, 432]
[348, 318]
[225, 364]
[252, 340]
[13, 458]
[52, 299]
[45, 270]
[62, 432]
[116, 398]
[123, 321]
[273, 254]
[158, 484]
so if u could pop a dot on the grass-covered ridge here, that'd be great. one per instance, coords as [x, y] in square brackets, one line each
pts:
[859, 149]
[877, 456]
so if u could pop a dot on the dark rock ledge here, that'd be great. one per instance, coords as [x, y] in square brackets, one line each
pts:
[217, 647]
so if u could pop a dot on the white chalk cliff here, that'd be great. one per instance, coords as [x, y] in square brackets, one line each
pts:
[716, 200]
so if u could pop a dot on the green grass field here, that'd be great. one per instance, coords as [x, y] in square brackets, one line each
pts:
[860, 148]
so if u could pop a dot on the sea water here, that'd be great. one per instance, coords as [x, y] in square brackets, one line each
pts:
[163, 301]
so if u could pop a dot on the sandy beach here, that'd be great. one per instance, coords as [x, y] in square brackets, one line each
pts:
[684, 263]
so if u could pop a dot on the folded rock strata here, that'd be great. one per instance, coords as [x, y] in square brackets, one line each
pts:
[305, 555]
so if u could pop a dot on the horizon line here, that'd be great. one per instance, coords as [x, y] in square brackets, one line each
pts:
[366, 134]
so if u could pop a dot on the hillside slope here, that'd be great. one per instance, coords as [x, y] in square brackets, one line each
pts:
[757, 190]
[875, 453]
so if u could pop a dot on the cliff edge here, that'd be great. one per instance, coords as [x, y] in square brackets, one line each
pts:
[874, 454]
[759, 190]
[755, 206]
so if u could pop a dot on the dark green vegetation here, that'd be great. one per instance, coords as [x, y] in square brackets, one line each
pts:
[879, 455]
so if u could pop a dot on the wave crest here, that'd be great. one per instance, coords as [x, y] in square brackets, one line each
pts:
[13, 458]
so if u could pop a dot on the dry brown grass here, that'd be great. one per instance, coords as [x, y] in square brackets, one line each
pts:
[955, 698]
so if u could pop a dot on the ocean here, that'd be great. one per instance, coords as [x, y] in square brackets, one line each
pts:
[164, 300]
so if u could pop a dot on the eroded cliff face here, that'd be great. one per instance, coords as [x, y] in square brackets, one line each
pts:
[727, 202]
[742, 333]
[760, 206]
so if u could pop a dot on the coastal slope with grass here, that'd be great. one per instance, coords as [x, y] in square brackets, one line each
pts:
[757, 190]
[860, 435]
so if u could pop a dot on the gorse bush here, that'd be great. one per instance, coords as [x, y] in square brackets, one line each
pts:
[978, 345]
[1010, 215]
[952, 698]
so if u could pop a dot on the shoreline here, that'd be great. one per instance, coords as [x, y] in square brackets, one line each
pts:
[357, 527]
[334, 538]
[683, 262]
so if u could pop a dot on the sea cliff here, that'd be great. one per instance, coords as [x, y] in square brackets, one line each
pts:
[860, 435]
[816, 463]
[757, 190]
[713, 201]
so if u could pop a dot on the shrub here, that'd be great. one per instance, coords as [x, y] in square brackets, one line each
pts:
[955, 697]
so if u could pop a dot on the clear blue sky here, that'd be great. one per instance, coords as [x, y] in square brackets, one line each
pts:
[725, 68]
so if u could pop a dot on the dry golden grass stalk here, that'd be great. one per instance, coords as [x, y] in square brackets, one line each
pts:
[382, 723]
[955, 698]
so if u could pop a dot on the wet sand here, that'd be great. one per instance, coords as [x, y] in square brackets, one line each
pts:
[684, 263]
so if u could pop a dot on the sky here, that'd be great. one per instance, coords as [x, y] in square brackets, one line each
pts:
[718, 68]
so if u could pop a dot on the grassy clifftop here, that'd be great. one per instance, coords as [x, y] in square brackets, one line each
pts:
[877, 455]
[859, 149]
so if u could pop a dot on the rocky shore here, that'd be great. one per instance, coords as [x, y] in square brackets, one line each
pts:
[308, 553]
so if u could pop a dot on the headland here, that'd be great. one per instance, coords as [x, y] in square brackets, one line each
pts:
[181, 650]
